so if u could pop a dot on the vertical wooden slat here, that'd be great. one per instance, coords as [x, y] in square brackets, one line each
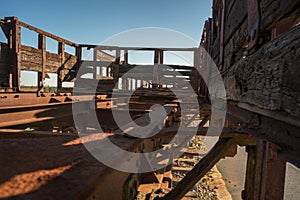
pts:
[124, 83]
[61, 52]
[125, 57]
[253, 23]
[42, 47]
[117, 65]
[78, 53]
[273, 174]
[95, 53]
[265, 173]
[161, 57]
[155, 69]
[222, 29]
[14, 41]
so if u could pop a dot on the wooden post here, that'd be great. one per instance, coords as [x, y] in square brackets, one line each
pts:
[222, 28]
[265, 174]
[196, 78]
[78, 53]
[41, 75]
[95, 53]
[14, 42]
[61, 52]
[125, 57]
[124, 83]
[155, 69]
[161, 57]
[116, 66]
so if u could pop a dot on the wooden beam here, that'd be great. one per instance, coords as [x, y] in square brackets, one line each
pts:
[161, 57]
[268, 78]
[95, 55]
[78, 53]
[283, 134]
[59, 39]
[60, 76]
[125, 57]
[14, 43]
[116, 67]
[41, 75]
[265, 173]
[111, 48]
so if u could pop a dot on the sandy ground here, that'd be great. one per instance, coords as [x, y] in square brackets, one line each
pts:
[233, 171]
[292, 183]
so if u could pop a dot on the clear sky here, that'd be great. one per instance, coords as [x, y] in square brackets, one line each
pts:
[92, 21]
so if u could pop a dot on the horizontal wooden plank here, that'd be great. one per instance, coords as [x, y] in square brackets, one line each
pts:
[236, 46]
[269, 78]
[234, 17]
[31, 59]
[278, 12]
[100, 47]
[50, 35]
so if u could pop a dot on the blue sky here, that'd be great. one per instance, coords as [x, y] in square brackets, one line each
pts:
[93, 21]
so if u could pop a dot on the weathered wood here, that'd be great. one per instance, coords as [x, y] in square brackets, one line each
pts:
[42, 47]
[283, 134]
[61, 52]
[253, 24]
[14, 43]
[235, 15]
[269, 78]
[278, 12]
[105, 57]
[265, 174]
[111, 48]
[116, 68]
[59, 39]
[204, 165]
[236, 46]
[32, 60]
[4, 65]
